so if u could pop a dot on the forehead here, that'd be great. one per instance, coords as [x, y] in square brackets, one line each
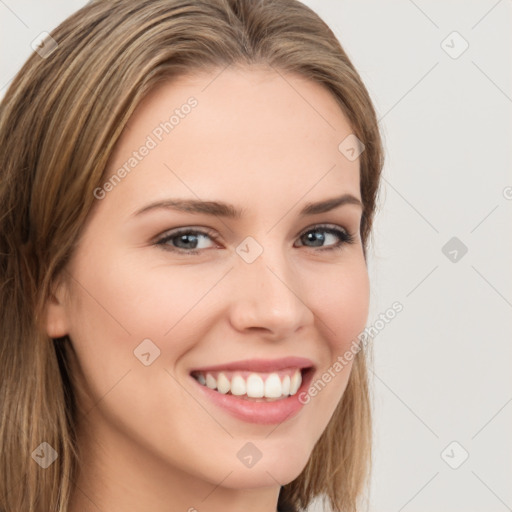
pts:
[245, 132]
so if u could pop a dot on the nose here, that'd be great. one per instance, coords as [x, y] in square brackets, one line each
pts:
[268, 297]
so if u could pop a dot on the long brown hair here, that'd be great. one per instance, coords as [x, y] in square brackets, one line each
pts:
[59, 122]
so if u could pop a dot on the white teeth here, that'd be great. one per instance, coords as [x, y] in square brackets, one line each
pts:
[286, 385]
[273, 387]
[223, 385]
[238, 386]
[255, 386]
[295, 382]
[210, 381]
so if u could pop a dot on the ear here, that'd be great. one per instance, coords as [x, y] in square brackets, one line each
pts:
[56, 314]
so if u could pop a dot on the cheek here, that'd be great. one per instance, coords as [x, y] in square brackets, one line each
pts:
[121, 302]
[343, 312]
[130, 301]
[341, 299]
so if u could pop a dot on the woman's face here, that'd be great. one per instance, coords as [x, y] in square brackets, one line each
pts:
[155, 293]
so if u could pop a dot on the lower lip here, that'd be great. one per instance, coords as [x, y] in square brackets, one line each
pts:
[264, 413]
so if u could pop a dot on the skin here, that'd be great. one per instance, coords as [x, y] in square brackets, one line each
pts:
[265, 142]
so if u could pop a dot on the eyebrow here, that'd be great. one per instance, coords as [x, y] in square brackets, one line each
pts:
[227, 210]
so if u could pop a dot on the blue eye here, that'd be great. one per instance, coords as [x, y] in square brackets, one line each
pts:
[186, 240]
[344, 236]
[186, 237]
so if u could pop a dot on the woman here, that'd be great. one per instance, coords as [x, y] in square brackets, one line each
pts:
[140, 372]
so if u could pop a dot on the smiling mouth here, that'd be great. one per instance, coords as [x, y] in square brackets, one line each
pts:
[254, 386]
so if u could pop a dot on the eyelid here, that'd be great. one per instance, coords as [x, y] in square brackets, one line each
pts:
[349, 236]
[171, 233]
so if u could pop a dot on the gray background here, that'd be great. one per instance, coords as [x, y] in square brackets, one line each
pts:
[441, 381]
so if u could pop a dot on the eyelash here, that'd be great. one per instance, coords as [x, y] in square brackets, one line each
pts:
[344, 236]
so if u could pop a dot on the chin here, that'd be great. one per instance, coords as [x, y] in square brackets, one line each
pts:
[276, 466]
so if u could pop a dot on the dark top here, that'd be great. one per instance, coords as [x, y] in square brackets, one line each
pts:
[285, 506]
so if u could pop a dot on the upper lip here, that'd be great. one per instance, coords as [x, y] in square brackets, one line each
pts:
[259, 365]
